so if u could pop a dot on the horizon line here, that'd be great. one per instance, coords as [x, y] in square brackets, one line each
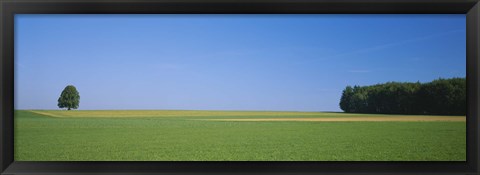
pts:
[173, 110]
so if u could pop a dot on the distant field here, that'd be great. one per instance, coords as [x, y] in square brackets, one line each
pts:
[150, 135]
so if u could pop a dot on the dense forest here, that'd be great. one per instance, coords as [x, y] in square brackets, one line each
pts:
[439, 97]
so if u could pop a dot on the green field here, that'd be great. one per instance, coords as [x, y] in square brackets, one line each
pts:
[235, 135]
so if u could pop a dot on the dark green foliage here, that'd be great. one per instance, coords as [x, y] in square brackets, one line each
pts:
[345, 103]
[443, 96]
[69, 98]
[439, 97]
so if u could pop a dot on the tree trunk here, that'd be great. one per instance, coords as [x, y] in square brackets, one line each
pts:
[69, 109]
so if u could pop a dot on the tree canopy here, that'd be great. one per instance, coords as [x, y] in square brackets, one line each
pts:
[439, 97]
[70, 98]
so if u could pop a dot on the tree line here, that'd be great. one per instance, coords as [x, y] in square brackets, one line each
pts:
[438, 97]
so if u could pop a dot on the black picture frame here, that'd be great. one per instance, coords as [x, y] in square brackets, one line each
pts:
[9, 8]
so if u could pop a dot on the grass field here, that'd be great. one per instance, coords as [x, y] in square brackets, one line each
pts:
[235, 135]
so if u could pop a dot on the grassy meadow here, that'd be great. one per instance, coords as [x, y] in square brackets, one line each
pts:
[156, 135]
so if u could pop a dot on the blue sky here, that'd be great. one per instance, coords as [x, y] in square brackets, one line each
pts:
[227, 62]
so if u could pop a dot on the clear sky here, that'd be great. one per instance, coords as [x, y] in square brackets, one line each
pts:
[227, 62]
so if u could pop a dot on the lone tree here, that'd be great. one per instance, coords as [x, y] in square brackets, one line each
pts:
[69, 98]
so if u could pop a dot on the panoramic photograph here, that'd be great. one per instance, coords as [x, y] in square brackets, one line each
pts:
[245, 87]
